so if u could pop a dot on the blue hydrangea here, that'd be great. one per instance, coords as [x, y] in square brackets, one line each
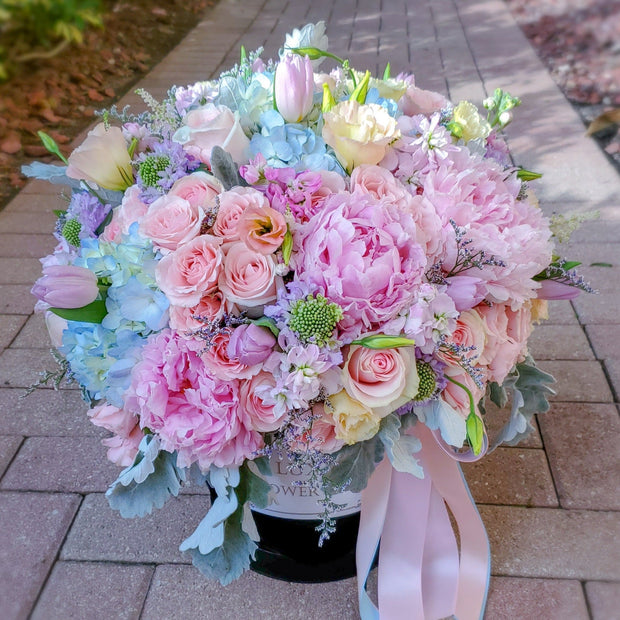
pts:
[250, 96]
[388, 104]
[290, 145]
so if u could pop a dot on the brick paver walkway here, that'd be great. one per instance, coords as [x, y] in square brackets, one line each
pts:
[550, 506]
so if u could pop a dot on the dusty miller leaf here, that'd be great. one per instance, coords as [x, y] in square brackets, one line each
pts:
[399, 447]
[224, 168]
[355, 465]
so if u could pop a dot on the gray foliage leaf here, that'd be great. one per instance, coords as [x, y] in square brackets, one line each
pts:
[224, 168]
[355, 465]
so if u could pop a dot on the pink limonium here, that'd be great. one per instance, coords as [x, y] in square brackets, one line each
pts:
[294, 87]
[66, 286]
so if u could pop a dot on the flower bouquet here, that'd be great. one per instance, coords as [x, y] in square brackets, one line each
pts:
[304, 271]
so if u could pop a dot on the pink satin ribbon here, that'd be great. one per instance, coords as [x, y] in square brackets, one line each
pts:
[422, 576]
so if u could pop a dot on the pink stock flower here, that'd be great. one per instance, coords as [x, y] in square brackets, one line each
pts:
[66, 286]
[294, 87]
[191, 271]
[362, 255]
[171, 221]
[262, 229]
[191, 411]
[248, 277]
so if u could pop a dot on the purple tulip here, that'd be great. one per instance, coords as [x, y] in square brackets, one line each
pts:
[552, 289]
[294, 87]
[251, 344]
[66, 286]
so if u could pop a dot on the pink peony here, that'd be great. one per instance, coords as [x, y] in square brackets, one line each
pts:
[248, 277]
[381, 184]
[362, 255]
[262, 417]
[191, 411]
[190, 272]
[171, 221]
[198, 188]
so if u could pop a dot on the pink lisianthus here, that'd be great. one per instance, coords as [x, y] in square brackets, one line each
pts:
[191, 271]
[262, 417]
[262, 229]
[186, 320]
[198, 188]
[506, 342]
[171, 221]
[191, 411]
[221, 365]
[362, 255]
[116, 420]
[380, 379]
[131, 210]
[248, 277]
[233, 204]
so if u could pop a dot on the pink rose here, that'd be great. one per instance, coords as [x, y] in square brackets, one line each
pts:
[262, 229]
[113, 419]
[221, 364]
[378, 378]
[248, 277]
[381, 184]
[263, 417]
[251, 344]
[122, 450]
[210, 126]
[470, 332]
[191, 271]
[233, 203]
[455, 395]
[170, 222]
[129, 211]
[210, 307]
[322, 433]
[198, 188]
[507, 334]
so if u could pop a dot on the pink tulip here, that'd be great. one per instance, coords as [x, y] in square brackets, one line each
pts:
[66, 286]
[294, 87]
[251, 344]
[552, 289]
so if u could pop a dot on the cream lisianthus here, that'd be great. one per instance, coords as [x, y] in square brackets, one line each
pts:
[102, 159]
[472, 124]
[359, 133]
[353, 421]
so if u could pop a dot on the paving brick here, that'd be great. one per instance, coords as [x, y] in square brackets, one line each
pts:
[548, 599]
[549, 542]
[496, 418]
[604, 599]
[512, 476]
[559, 342]
[612, 368]
[101, 534]
[582, 444]
[181, 592]
[16, 299]
[9, 444]
[28, 222]
[28, 246]
[45, 413]
[93, 591]
[578, 381]
[10, 324]
[33, 334]
[603, 339]
[20, 368]
[19, 270]
[32, 528]
[64, 464]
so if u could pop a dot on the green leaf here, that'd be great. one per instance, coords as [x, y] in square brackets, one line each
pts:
[50, 144]
[387, 72]
[455, 128]
[528, 175]
[244, 55]
[381, 341]
[287, 246]
[270, 324]
[92, 313]
[475, 432]
[361, 90]
[601, 265]
[355, 465]
[400, 448]
[328, 100]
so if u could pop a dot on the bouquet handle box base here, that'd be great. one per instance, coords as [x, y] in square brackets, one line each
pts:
[288, 549]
